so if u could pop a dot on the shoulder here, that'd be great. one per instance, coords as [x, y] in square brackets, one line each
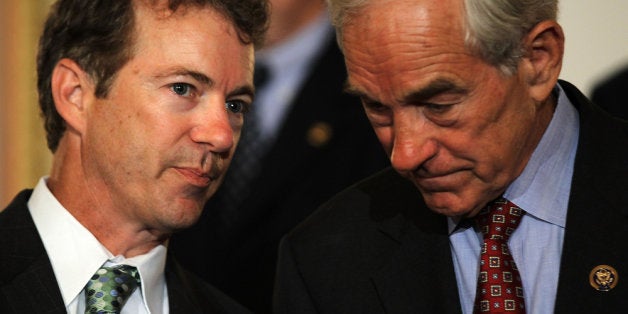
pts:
[360, 222]
[365, 203]
[188, 293]
[15, 209]
[19, 239]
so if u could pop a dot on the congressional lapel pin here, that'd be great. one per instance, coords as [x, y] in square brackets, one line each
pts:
[603, 278]
[319, 134]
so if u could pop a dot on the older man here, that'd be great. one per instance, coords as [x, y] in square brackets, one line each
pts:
[521, 201]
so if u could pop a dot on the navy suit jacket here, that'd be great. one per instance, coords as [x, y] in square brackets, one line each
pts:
[28, 284]
[377, 248]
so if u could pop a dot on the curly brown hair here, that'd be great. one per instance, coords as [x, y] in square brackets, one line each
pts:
[98, 36]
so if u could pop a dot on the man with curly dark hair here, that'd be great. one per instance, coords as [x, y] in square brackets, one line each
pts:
[143, 103]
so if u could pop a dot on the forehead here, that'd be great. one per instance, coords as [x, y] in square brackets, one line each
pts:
[198, 38]
[388, 39]
[153, 17]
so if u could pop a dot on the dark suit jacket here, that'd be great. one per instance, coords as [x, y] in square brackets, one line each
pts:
[296, 178]
[28, 284]
[611, 95]
[377, 248]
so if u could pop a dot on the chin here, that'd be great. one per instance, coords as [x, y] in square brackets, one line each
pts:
[185, 216]
[448, 204]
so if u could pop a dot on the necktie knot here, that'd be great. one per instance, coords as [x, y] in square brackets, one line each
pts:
[499, 219]
[109, 288]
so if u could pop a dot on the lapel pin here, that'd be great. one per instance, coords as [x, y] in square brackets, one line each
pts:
[603, 278]
[319, 134]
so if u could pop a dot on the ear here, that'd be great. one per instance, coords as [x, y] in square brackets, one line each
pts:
[71, 88]
[543, 46]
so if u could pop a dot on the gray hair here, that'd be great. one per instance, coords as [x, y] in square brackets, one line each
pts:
[494, 28]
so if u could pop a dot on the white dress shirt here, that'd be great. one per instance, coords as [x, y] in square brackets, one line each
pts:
[75, 255]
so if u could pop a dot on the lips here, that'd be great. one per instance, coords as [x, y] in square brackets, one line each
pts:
[438, 182]
[196, 177]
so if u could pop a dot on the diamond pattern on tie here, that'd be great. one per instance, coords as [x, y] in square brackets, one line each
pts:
[109, 288]
[499, 284]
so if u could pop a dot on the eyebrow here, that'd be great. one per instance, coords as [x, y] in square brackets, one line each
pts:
[246, 90]
[200, 77]
[353, 91]
[434, 88]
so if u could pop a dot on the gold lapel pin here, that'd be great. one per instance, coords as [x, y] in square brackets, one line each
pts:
[603, 278]
[319, 134]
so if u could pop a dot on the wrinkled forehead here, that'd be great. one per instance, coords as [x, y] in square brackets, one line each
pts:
[424, 21]
[399, 14]
[391, 44]
[385, 30]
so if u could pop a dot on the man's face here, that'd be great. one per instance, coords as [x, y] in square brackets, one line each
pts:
[157, 146]
[455, 126]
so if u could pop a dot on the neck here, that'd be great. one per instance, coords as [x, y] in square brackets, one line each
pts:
[90, 203]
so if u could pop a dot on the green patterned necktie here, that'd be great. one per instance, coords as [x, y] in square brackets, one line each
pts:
[109, 288]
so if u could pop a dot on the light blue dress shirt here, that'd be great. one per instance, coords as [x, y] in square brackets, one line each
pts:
[542, 190]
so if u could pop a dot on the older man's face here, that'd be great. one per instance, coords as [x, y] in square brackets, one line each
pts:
[452, 124]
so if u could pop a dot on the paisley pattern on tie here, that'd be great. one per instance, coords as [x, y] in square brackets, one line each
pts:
[499, 283]
[109, 289]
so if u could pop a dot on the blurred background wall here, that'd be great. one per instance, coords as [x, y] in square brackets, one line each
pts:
[597, 46]
[23, 153]
[596, 40]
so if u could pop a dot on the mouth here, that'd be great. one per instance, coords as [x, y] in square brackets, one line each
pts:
[197, 177]
[438, 182]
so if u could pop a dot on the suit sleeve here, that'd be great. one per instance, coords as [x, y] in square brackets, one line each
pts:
[291, 295]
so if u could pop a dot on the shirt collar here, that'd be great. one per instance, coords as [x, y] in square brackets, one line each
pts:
[151, 268]
[75, 254]
[543, 187]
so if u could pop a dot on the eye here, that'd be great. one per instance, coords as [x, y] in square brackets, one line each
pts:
[237, 106]
[374, 106]
[182, 89]
[437, 108]
[379, 114]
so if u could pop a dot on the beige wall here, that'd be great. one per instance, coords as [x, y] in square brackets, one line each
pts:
[597, 44]
[597, 40]
[23, 154]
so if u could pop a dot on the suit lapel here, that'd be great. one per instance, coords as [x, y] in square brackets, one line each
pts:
[181, 297]
[420, 274]
[35, 290]
[596, 229]
[189, 295]
[28, 284]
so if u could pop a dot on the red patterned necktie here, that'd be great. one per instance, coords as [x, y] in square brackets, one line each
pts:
[499, 283]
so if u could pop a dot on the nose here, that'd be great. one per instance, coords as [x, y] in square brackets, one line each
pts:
[214, 127]
[412, 145]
